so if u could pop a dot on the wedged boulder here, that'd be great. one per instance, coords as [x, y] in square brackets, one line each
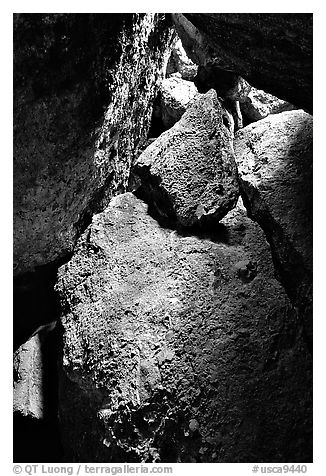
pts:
[175, 95]
[274, 158]
[179, 348]
[84, 86]
[273, 51]
[189, 172]
[258, 104]
[179, 62]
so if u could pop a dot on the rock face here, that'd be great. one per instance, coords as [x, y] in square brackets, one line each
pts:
[84, 85]
[257, 105]
[179, 348]
[180, 63]
[28, 383]
[189, 172]
[175, 93]
[273, 52]
[35, 425]
[274, 158]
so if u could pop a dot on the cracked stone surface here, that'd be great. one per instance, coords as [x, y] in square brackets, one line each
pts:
[189, 172]
[179, 348]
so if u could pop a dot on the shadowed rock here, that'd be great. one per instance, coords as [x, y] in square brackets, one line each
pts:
[274, 158]
[84, 85]
[273, 51]
[179, 62]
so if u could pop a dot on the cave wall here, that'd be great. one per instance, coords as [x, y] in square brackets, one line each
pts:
[271, 51]
[84, 85]
[173, 344]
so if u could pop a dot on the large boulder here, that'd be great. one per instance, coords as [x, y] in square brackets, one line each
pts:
[175, 95]
[258, 104]
[273, 51]
[179, 348]
[274, 158]
[84, 85]
[189, 172]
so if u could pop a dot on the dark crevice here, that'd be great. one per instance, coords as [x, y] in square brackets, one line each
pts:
[35, 303]
[156, 126]
[35, 441]
[97, 203]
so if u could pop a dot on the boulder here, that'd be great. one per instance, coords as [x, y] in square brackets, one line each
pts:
[28, 379]
[274, 158]
[179, 62]
[35, 399]
[31, 360]
[175, 94]
[257, 105]
[179, 348]
[189, 172]
[273, 51]
[84, 86]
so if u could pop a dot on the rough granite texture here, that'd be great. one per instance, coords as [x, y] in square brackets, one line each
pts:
[274, 158]
[189, 172]
[257, 105]
[179, 348]
[175, 95]
[84, 85]
[28, 379]
[273, 51]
